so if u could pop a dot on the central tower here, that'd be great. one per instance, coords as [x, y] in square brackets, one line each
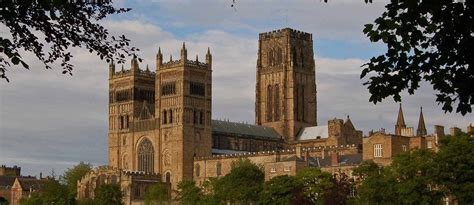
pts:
[286, 82]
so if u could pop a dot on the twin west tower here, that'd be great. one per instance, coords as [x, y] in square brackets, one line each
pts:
[160, 121]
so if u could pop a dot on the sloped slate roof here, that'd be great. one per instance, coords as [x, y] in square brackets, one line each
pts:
[227, 151]
[27, 183]
[6, 181]
[352, 159]
[243, 129]
[309, 133]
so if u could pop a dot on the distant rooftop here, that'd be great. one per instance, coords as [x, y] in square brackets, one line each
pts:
[310, 133]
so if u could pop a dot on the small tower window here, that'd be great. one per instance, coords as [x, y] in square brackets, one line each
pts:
[377, 150]
[171, 116]
[201, 118]
[197, 170]
[218, 169]
[195, 117]
[165, 117]
[269, 103]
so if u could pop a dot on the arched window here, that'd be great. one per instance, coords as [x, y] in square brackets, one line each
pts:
[294, 54]
[171, 116]
[269, 103]
[276, 111]
[302, 103]
[197, 170]
[302, 57]
[218, 169]
[270, 57]
[126, 122]
[165, 117]
[125, 162]
[279, 56]
[168, 177]
[145, 156]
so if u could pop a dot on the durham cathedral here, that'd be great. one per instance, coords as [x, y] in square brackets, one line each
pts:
[161, 130]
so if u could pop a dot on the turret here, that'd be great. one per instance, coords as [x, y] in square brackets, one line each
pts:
[209, 58]
[184, 53]
[134, 64]
[400, 122]
[159, 59]
[111, 69]
[421, 131]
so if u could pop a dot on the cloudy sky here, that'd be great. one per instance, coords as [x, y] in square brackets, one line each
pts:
[53, 121]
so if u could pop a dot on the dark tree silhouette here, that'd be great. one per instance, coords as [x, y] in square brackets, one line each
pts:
[428, 40]
[49, 28]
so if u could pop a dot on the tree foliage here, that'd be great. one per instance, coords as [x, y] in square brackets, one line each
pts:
[282, 190]
[415, 175]
[73, 174]
[243, 183]
[429, 40]
[157, 194]
[455, 167]
[49, 29]
[189, 193]
[108, 194]
[315, 184]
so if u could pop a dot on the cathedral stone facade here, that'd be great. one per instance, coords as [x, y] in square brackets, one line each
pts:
[161, 131]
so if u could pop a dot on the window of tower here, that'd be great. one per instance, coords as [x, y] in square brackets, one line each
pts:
[218, 169]
[294, 54]
[165, 117]
[279, 56]
[143, 95]
[270, 57]
[171, 116]
[302, 57]
[123, 95]
[269, 103]
[145, 156]
[195, 117]
[201, 118]
[168, 88]
[122, 122]
[196, 88]
[168, 177]
[127, 122]
[197, 170]
[277, 103]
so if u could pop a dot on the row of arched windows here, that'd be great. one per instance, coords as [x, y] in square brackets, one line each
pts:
[297, 58]
[168, 116]
[273, 103]
[168, 88]
[124, 122]
[197, 169]
[275, 56]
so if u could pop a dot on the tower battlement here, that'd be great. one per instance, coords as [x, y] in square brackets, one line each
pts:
[125, 73]
[188, 63]
[286, 31]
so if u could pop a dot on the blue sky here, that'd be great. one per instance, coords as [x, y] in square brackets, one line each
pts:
[49, 120]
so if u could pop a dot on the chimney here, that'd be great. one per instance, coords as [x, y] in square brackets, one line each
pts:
[439, 130]
[184, 53]
[298, 150]
[454, 131]
[209, 58]
[159, 59]
[334, 159]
